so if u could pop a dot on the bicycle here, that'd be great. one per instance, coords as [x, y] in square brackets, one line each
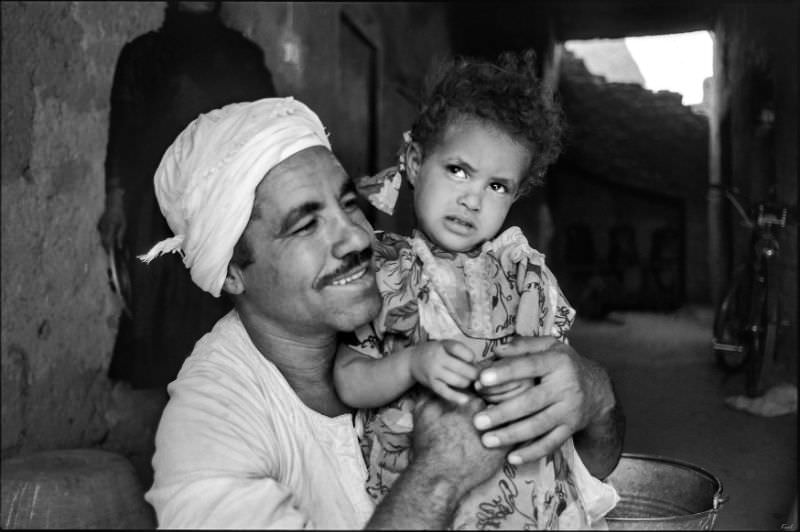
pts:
[747, 318]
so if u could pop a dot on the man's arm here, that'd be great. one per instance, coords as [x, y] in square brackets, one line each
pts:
[449, 460]
[599, 442]
[575, 397]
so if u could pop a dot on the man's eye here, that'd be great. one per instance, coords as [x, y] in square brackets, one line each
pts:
[457, 171]
[305, 227]
[349, 202]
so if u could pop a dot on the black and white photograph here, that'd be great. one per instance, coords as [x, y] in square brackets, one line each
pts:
[513, 265]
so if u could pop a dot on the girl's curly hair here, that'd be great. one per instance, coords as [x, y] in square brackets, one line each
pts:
[506, 93]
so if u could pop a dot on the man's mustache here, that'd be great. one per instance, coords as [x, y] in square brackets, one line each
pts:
[350, 262]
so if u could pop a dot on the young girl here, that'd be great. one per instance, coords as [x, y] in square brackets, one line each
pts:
[455, 288]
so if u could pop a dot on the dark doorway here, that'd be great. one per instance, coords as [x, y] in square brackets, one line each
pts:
[358, 89]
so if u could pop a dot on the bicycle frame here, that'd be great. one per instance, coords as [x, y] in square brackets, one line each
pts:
[747, 320]
[764, 311]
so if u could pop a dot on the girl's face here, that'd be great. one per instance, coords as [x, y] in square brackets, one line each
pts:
[465, 185]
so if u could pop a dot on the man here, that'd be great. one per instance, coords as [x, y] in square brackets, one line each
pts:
[163, 80]
[254, 435]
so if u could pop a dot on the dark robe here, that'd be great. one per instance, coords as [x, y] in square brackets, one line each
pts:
[164, 79]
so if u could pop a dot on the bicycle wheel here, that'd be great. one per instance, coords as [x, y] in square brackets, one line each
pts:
[763, 341]
[730, 340]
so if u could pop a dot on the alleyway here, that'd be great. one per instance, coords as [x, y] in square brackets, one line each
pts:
[673, 396]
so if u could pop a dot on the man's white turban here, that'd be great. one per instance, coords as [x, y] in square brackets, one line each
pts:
[206, 182]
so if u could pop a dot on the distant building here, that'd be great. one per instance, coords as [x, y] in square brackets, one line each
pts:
[609, 58]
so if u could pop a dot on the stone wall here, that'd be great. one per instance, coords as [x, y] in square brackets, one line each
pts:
[59, 315]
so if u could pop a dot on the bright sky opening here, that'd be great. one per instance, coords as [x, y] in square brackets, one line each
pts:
[678, 62]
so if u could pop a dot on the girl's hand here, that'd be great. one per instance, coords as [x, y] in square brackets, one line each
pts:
[443, 365]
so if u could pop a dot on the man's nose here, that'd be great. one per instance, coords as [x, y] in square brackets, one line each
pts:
[351, 237]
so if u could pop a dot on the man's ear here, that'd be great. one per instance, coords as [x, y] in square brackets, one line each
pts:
[413, 162]
[234, 281]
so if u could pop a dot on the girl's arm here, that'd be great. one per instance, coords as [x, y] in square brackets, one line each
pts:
[366, 382]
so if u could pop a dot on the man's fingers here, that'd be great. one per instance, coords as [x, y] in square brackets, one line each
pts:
[497, 390]
[515, 368]
[520, 406]
[523, 430]
[499, 394]
[541, 447]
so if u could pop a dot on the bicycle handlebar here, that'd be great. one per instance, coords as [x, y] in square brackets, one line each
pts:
[765, 213]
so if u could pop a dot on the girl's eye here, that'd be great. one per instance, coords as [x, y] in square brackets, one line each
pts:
[499, 187]
[457, 171]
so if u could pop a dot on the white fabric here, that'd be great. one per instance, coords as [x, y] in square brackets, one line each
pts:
[236, 447]
[206, 181]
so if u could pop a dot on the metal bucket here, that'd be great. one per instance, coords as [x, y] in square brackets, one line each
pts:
[659, 493]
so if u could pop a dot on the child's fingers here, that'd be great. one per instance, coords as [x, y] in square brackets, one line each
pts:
[454, 379]
[446, 392]
[461, 368]
[458, 350]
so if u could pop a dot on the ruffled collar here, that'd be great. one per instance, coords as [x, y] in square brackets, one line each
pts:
[441, 253]
[478, 288]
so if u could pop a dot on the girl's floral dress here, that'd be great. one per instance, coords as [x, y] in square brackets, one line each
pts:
[481, 298]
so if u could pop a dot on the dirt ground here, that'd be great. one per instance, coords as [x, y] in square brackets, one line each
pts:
[673, 397]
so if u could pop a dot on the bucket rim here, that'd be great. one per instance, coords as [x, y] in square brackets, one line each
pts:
[718, 500]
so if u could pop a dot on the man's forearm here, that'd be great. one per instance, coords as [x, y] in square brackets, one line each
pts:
[600, 442]
[418, 500]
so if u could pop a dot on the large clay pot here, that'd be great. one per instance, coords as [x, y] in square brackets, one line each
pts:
[76, 488]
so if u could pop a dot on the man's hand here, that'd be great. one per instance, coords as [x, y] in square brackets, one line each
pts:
[443, 365]
[573, 393]
[112, 224]
[445, 440]
[500, 392]
[448, 460]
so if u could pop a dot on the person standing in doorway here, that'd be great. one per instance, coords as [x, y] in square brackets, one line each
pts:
[163, 80]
